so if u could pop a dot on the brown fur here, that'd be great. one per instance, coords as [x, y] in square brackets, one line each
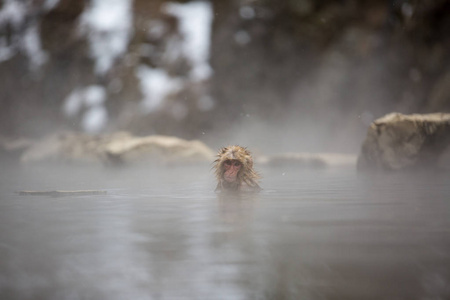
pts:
[247, 178]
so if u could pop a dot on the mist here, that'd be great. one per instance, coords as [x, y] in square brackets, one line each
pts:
[112, 113]
[275, 76]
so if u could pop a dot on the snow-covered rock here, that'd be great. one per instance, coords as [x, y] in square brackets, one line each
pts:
[398, 141]
[117, 148]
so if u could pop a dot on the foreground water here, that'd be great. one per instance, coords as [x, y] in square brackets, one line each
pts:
[164, 234]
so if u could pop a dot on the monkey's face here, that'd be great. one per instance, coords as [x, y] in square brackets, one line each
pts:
[232, 168]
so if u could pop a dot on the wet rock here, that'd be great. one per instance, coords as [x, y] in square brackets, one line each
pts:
[397, 141]
[309, 160]
[117, 148]
[63, 193]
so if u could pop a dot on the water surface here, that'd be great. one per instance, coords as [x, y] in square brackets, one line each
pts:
[162, 233]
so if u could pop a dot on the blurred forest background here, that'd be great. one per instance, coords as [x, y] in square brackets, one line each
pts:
[296, 75]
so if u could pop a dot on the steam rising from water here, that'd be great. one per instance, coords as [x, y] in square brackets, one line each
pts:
[161, 232]
[164, 233]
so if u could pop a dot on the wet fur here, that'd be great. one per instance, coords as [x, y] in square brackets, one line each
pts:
[247, 178]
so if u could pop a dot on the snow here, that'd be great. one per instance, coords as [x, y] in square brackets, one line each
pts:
[6, 51]
[94, 95]
[72, 104]
[106, 23]
[94, 120]
[50, 4]
[156, 29]
[31, 45]
[195, 20]
[108, 26]
[91, 99]
[13, 12]
[25, 37]
[247, 12]
[156, 84]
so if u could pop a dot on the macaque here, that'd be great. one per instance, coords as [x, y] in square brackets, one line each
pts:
[234, 170]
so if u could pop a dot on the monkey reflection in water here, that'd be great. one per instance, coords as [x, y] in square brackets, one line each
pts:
[234, 170]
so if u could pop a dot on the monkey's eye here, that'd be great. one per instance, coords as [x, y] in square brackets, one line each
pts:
[237, 164]
[228, 162]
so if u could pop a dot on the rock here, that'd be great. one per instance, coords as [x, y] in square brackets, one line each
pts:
[309, 160]
[13, 145]
[397, 141]
[118, 148]
[158, 148]
[63, 193]
[13, 148]
[64, 147]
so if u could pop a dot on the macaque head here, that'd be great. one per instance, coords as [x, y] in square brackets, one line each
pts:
[234, 169]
